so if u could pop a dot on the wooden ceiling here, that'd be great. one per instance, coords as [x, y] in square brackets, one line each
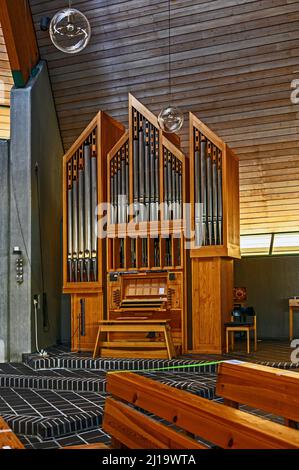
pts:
[232, 64]
[6, 83]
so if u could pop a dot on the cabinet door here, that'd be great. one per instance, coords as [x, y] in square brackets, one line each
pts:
[87, 311]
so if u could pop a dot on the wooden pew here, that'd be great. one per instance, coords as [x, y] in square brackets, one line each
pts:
[213, 422]
[266, 388]
[8, 440]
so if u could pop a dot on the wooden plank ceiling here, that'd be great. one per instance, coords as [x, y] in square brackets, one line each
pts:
[232, 64]
[6, 83]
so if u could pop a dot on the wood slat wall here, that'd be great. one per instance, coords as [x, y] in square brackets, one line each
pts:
[232, 64]
[6, 83]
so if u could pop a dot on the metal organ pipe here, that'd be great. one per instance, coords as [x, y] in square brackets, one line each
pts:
[157, 183]
[215, 195]
[220, 200]
[94, 199]
[81, 216]
[75, 217]
[87, 206]
[141, 164]
[70, 221]
[209, 195]
[152, 173]
[207, 190]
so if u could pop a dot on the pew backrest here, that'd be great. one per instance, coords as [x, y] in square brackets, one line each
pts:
[135, 400]
[267, 388]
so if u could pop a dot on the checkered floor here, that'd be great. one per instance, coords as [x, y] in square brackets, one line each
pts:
[58, 401]
[85, 437]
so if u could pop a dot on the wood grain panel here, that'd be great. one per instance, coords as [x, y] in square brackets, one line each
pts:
[212, 284]
[232, 64]
[274, 392]
[6, 83]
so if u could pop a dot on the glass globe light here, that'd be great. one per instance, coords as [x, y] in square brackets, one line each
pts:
[170, 119]
[70, 31]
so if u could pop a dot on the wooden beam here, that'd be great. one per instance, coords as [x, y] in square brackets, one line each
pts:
[19, 35]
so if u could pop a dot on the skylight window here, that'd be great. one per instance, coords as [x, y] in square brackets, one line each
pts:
[254, 245]
[270, 244]
[286, 243]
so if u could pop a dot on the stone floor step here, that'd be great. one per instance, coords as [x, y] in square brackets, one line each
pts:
[50, 413]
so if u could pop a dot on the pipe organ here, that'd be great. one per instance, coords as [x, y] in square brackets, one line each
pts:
[142, 268]
[145, 251]
[215, 220]
[84, 172]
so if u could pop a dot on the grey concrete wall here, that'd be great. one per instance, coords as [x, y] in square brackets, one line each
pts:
[4, 255]
[270, 281]
[35, 171]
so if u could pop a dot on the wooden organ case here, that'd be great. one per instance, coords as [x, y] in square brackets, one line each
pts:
[84, 263]
[214, 197]
[145, 246]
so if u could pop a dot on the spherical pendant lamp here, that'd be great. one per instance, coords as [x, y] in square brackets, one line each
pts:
[170, 119]
[70, 30]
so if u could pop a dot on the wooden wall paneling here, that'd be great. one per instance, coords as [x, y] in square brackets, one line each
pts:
[4, 122]
[6, 83]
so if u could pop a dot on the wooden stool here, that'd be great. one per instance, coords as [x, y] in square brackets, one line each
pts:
[132, 348]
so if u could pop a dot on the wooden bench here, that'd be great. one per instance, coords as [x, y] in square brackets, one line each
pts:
[266, 388]
[8, 440]
[132, 348]
[215, 423]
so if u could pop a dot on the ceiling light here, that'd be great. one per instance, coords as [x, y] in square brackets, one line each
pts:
[70, 30]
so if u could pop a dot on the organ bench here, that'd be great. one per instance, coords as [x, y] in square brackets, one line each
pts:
[130, 348]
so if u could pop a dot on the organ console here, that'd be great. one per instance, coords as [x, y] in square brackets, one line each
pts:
[142, 268]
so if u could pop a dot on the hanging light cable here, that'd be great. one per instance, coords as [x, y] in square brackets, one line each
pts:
[70, 30]
[170, 118]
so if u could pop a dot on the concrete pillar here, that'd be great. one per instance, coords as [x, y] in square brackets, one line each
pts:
[35, 215]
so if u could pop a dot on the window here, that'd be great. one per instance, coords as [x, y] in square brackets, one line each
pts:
[254, 245]
[270, 244]
[286, 244]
